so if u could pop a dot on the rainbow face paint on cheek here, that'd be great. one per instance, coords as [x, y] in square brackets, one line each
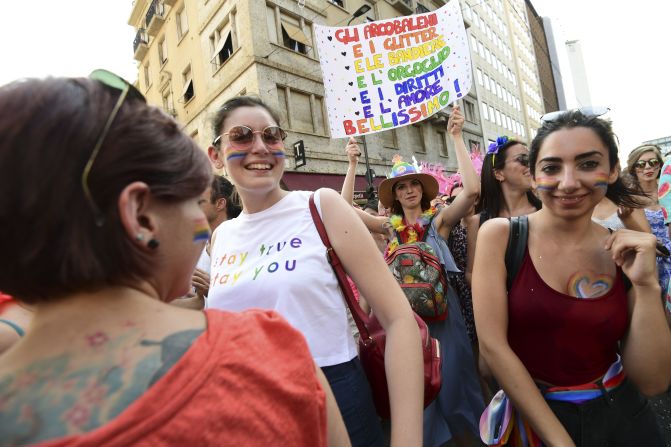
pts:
[279, 154]
[546, 184]
[601, 180]
[235, 154]
[201, 232]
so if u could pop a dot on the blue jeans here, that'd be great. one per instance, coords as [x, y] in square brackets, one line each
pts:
[352, 392]
[621, 417]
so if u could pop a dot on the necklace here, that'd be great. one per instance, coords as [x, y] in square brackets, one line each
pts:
[408, 233]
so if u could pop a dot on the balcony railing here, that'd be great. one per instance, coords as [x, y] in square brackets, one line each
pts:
[155, 17]
[140, 44]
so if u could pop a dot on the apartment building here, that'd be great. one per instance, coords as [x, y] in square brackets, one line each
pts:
[193, 55]
[506, 79]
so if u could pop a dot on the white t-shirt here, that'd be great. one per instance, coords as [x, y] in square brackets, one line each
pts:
[275, 259]
[204, 261]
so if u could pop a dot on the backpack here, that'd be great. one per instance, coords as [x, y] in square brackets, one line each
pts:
[419, 272]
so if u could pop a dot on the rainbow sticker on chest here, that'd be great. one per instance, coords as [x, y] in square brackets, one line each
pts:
[546, 184]
[201, 231]
[589, 284]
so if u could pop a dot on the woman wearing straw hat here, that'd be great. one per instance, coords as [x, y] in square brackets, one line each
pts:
[408, 193]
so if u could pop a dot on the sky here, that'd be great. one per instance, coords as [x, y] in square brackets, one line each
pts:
[625, 49]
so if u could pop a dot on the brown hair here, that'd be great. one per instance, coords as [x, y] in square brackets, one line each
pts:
[397, 208]
[51, 245]
[234, 103]
[635, 154]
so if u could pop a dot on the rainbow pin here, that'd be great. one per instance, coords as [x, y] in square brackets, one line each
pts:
[201, 231]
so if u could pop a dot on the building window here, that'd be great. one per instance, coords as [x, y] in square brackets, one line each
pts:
[474, 44]
[491, 114]
[479, 75]
[221, 43]
[469, 111]
[188, 91]
[162, 51]
[388, 138]
[498, 117]
[485, 114]
[303, 112]
[182, 23]
[416, 138]
[168, 105]
[289, 31]
[442, 143]
[147, 77]
[340, 3]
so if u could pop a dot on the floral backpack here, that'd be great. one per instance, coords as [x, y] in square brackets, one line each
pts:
[420, 275]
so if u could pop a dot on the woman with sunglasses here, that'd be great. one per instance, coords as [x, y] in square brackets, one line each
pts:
[272, 257]
[644, 165]
[99, 233]
[580, 332]
[505, 189]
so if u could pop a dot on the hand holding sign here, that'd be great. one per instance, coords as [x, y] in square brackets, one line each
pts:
[352, 151]
[455, 123]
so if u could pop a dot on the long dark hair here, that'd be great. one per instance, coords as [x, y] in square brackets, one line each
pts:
[396, 207]
[618, 192]
[491, 194]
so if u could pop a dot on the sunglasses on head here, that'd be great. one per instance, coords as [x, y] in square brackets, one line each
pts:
[114, 82]
[653, 163]
[589, 111]
[241, 137]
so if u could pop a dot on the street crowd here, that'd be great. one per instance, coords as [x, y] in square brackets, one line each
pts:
[523, 301]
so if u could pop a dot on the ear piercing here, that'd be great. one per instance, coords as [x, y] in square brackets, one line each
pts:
[152, 244]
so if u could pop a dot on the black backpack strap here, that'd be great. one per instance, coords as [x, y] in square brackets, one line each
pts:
[517, 245]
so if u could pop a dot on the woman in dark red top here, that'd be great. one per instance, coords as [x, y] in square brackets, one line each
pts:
[581, 332]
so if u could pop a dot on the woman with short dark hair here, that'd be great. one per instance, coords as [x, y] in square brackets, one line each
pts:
[101, 228]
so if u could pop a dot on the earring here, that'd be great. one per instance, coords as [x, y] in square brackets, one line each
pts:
[152, 244]
[139, 237]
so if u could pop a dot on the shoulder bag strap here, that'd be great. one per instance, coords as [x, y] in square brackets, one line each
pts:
[517, 245]
[360, 317]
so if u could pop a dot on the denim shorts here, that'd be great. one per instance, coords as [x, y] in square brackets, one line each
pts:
[621, 417]
[355, 401]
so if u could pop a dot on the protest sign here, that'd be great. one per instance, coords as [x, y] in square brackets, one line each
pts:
[391, 73]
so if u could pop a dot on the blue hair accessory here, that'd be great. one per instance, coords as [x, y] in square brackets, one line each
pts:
[493, 148]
